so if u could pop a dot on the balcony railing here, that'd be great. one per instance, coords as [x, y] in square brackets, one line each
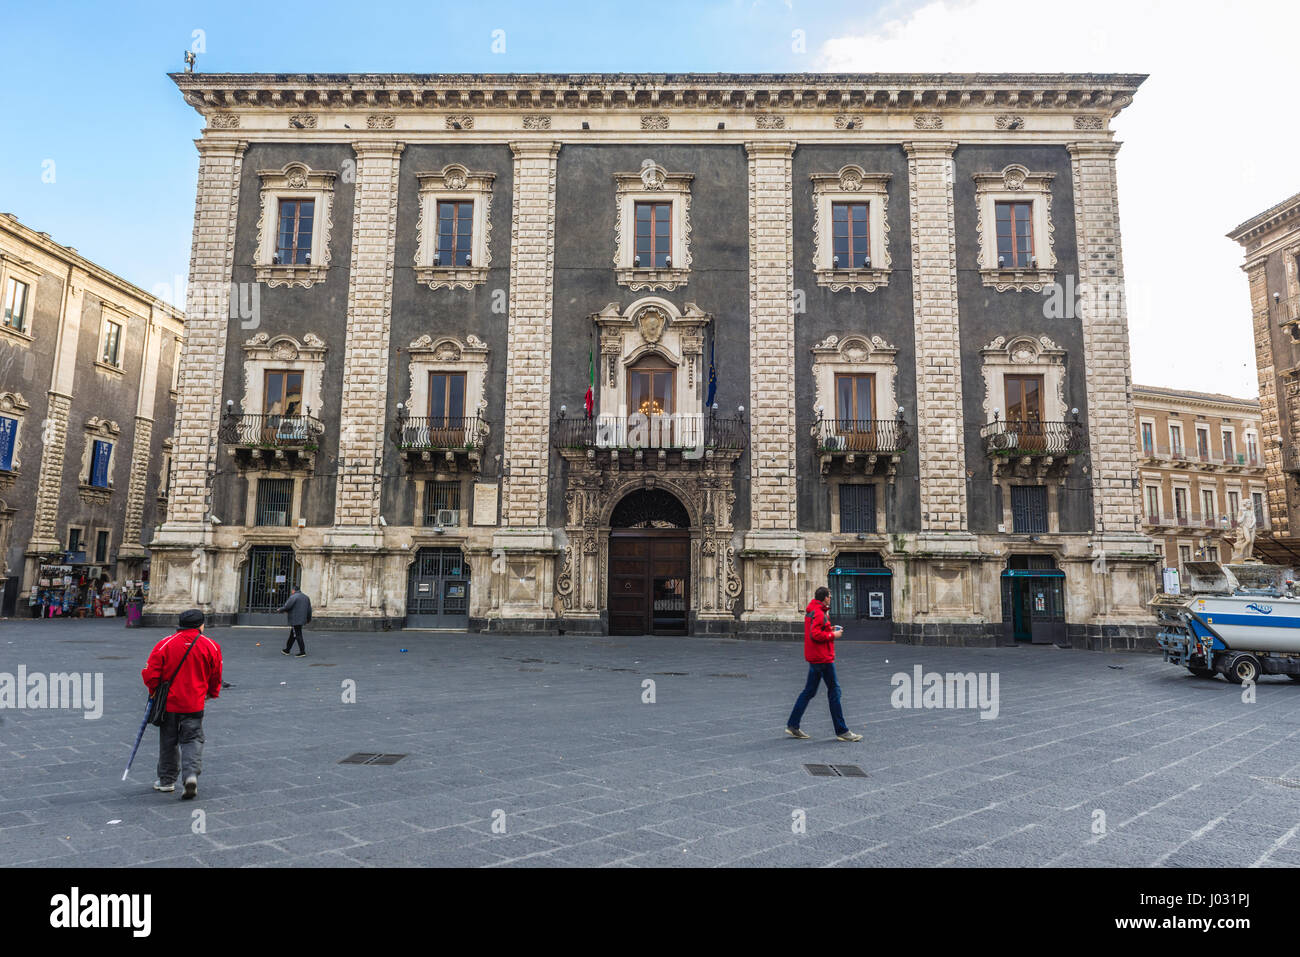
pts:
[681, 432]
[266, 431]
[1013, 438]
[439, 433]
[884, 436]
[1290, 458]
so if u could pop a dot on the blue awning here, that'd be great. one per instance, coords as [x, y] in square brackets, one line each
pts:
[1033, 573]
[861, 571]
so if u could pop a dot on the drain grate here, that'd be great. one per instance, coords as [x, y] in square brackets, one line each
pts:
[726, 674]
[366, 757]
[1284, 782]
[835, 771]
[323, 664]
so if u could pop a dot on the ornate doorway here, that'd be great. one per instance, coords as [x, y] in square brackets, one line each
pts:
[649, 565]
[437, 589]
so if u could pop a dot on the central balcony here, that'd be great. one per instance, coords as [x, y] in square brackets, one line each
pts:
[268, 441]
[651, 441]
[1032, 445]
[440, 443]
[860, 445]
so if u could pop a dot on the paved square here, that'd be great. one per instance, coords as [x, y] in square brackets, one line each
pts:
[550, 739]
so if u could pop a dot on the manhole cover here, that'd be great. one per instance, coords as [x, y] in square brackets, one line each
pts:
[835, 771]
[366, 757]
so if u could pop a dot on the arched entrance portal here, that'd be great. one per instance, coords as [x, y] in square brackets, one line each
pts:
[649, 565]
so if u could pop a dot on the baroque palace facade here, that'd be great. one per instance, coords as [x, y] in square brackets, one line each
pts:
[857, 329]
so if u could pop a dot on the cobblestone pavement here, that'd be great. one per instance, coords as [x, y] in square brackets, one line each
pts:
[552, 739]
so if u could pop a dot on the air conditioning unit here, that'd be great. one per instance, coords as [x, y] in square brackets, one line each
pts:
[449, 516]
[1004, 441]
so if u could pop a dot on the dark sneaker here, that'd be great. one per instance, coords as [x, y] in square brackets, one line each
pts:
[159, 786]
[191, 788]
[796, 733]
[285, 652]
[848, 736]
[301, 654]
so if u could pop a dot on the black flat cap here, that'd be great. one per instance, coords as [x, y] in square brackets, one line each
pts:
[192, 618]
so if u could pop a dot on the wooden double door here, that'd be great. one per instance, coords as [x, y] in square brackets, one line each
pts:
[649, 574]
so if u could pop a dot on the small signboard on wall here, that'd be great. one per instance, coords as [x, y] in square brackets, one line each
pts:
[485, 503]
[876, 604]
[1172, 586]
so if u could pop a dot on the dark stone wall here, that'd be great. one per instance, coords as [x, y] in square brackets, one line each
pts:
[419, 310]
[322, 309]
[886, 312]
[164, 422]
[584, 274]
[986, 313]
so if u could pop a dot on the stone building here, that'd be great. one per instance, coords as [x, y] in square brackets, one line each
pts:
[1271, 241]
[1200, 463]
[857, 329]
[88, 366]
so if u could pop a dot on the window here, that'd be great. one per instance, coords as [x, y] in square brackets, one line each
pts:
[1015, 233]
[101, 547]
[654, 234]
[8, 442]
[1024, 397]
[76, 538]
[274, 502]
[854, 399]
[850, 230]
[111, 354]
[293, 245]
[447, 399]
[176, 367]
[1148, 438]
[1203, 444]
[1180, 506]
[1208, 511]
[100, 457]
[650, 387]
[455, 245]
[441, 497]
[1257, 499]
[1212, 553]
[1184, 556]
[283, 395]
[15, 315]
[1176, 440]
[858, 508]
[1252, 448]
[1234, 507]
[1153, 504]
[1229, 452]
[1029, 509]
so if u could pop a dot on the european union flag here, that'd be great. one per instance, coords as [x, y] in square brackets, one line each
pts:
[713, 378]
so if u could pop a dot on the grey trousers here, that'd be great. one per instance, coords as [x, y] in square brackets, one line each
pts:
[180, 746]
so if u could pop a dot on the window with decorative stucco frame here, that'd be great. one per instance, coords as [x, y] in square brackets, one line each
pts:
[17, 281]
[294, 184]
[440, 262]
[98, 457]
[13, 408]
[652, 184]
[1017, 185]
[1024, 356]
[446, 356]
[111, 354]
[852, 186]
[264, 353]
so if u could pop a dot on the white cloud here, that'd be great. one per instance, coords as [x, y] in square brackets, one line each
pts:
[1208, 142]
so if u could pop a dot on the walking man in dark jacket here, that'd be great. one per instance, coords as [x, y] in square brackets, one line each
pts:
[298, 608]
[180, 738]
[819, 651]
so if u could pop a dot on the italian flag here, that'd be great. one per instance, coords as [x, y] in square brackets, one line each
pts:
[589, 401]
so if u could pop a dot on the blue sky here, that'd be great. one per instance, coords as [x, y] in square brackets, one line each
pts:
[83, 86]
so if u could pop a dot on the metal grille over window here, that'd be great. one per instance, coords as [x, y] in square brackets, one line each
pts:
[858, 508]
[442, 504]
[1029, 509]
[274, 501]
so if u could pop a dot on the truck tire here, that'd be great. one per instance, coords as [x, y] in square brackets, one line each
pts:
[1242, 668]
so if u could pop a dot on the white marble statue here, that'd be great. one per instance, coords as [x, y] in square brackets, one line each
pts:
[1243, 547]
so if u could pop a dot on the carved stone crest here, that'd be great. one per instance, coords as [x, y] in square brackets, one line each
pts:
[651, 322]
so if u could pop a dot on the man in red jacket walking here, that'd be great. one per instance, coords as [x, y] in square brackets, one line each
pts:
[819, 651]
[180, 738]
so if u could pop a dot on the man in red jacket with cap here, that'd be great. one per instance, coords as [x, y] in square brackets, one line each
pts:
[180, 738]
[819, 651]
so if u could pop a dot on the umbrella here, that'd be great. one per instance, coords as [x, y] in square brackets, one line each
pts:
[143, 724]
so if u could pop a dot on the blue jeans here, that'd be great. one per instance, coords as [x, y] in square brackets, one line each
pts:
[816, 675]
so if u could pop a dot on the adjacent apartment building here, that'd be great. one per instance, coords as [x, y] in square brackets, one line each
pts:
[660, 354]
[1200, 465]
[88, 367]
[1271, 241]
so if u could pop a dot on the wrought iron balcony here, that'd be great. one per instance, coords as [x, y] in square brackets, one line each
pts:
[1291, 459]
[265, 440]
[1032, 443]
[666, 439]
[443, 443]
[865, 445]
